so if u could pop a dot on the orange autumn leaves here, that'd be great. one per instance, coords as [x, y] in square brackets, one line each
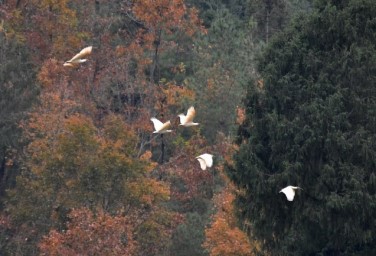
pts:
[84, 157]
[167, 15]
[96, 167]
[223, 237]
[91, 234]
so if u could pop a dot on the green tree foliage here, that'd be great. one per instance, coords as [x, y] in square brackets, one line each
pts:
[90, 146]
[152, 235]
[222, 58]
[79, 165]
[188, 237]
[17, 93]
[271, 16]
[312, 123]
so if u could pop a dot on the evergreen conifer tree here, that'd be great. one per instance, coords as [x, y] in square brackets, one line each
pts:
[311, 122]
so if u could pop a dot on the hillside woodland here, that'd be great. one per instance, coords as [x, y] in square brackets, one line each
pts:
[283, 92]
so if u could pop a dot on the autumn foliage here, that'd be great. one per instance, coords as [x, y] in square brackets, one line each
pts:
[91, 234]
[92, 179]
[167, 15]
[224, 237]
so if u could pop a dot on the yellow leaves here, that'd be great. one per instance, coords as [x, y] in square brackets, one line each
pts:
[11, 27]
[77, 120]
[57, 20]
[149, 191]
[228, 157]
[118, 144]
[70, 183]
[194, 18]
[175, 94]
[157, 12]
[120, 50]
[117, 130]
[223, 237]
[84, 158]
[210, 83]
[260, 84]
[180, 68]
[49, 114]
[240, 115]
[50, 28]
[168, 16]
[2, 30]
[78, 135]
[48, 72]
[146, 156]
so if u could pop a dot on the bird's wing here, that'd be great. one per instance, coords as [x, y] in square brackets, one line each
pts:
[208, 158]
[157, 124]
[289, 192]
[69, 64]
[290, 195]
[83, 53]
[182, 118]
[202, 163]
[165, 126]
[190, 115]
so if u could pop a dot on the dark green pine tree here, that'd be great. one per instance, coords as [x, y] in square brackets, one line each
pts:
[312, 123]
[189, 236]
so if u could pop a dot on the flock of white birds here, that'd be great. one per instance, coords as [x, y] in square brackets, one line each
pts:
[205, 160]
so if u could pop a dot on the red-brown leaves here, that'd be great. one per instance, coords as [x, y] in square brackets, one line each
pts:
[91, 234]
[167, 15]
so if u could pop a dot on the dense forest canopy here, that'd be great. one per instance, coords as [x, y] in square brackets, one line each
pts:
[312, 124]
[283, 94]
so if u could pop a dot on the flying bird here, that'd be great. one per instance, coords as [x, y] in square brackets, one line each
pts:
[289, 191]
[159, 126]
[187, 120]
[79, 57]
[205, 160]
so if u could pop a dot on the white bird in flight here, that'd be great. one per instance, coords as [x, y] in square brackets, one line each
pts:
[187, 120]
[159, 126]
[79, 57]
[206, 161]
[289, 191]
